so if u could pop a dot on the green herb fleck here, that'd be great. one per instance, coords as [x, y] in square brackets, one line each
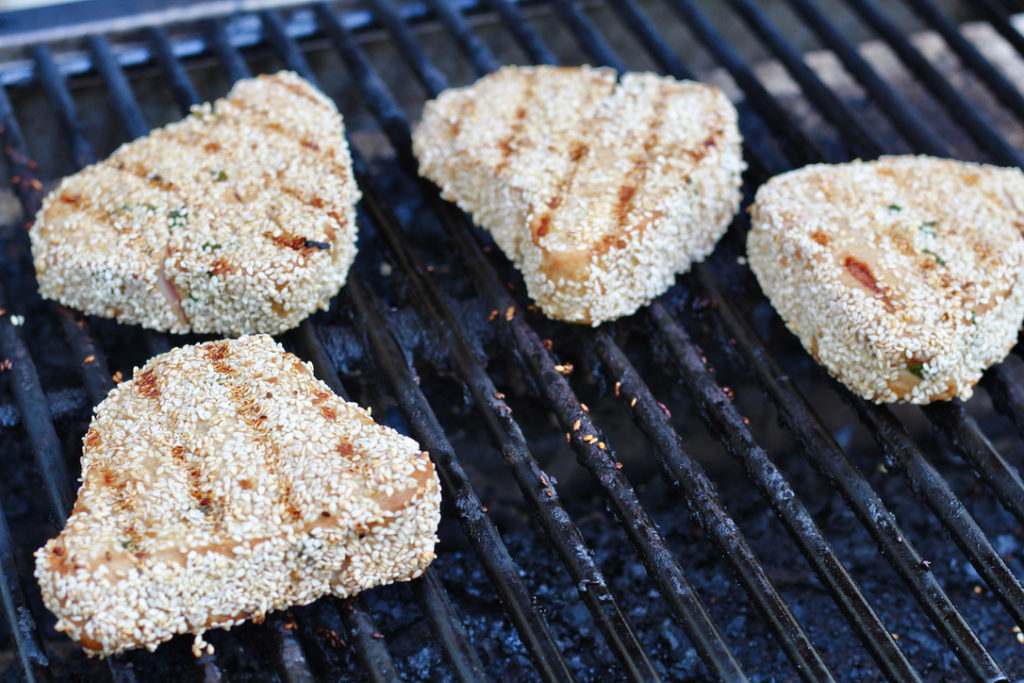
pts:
[218, 174]
[128, 544]
[895, 207]
[192, 297]
[916, 369]
[973, 316]
[938, 259]
[178, 217]
[928, 228]
[210, 246]
[131, 207]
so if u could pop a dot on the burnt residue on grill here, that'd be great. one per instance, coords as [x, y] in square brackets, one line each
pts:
[419, 269]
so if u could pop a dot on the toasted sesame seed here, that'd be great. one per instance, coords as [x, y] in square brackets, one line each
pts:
[902, 305]
[600, 190]
[205, 502]
[153, 236]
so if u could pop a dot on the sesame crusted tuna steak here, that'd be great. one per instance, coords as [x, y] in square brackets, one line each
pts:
[599, 191]
[238, 219]
[224, 481]
[904, 276]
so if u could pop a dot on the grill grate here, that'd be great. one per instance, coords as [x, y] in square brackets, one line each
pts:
[776, 140]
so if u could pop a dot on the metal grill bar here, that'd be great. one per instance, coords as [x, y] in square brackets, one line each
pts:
[642, 533]
[293, 666]
[466, 39]
[759, 157]
[860, 140]
[509, 437]
[28, 646]
[827, 457]
[687, 475]
[973, 122]
[447, 628]
[933, 489]
[1007, 396]
[528, 40]
[120, 91]
[370, 648]
[910, 124]
[28, 393]
[798, 147]
[971, 56]
[956, 424]
[590, 40]
[999, 18]
[181, 84]
[52, 81]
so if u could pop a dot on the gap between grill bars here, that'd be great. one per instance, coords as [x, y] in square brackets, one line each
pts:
[384, 343]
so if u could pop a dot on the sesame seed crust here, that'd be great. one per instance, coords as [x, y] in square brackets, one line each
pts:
[599, 192]
[238, 219]
[225, 481]
[903, 277]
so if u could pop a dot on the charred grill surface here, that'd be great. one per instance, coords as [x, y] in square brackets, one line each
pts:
[681, 494]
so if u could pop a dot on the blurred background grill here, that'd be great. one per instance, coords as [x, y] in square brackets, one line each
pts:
[723, 509]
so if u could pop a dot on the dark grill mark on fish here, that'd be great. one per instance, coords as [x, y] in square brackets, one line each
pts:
[636, 175]
[146, 385]
[577, 150]
[276, 127]
[510, 142]
[249, 412]
[203, 499]
[221, 267]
